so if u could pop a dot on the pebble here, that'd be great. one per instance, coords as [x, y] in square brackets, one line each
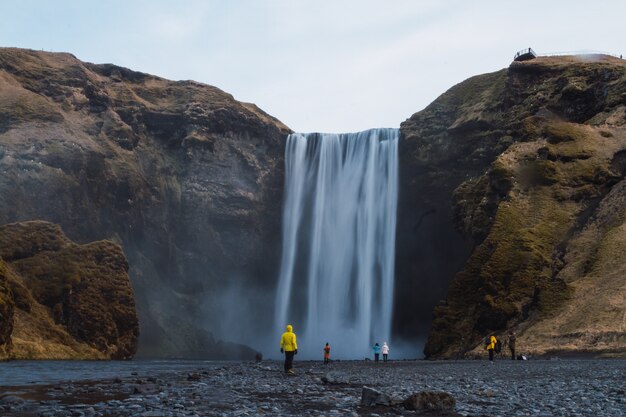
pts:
[538, 388]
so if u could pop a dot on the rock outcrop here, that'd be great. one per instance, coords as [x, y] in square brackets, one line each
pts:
[61, 300]
[528, 164]
[187, 179]
[511, 206]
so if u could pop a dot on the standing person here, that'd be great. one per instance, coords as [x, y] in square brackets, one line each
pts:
[511, 342]
[376, 348]
[385, 351]
[326, 354]
[289, 346]
[491, 347]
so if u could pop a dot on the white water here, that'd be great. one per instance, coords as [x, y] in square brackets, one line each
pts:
[339, 228]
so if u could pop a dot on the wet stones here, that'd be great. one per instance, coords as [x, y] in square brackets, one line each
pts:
[430, 401]
[226, 389]
[336, 378]
[194, 377]
[370, 397]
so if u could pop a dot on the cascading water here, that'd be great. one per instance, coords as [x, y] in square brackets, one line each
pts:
[339, 227]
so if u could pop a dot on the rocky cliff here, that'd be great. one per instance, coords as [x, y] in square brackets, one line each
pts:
[61, 300]
[527, 164]
[511, 206]
[187, 179]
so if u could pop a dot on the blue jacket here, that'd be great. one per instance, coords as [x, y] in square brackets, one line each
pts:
[376, 348]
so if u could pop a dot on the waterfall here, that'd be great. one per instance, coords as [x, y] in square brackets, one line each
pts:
[339, 228]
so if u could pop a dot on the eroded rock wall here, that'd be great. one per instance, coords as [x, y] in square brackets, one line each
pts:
[187, 179]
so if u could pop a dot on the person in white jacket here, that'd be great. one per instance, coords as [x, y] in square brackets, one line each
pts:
[385, 351]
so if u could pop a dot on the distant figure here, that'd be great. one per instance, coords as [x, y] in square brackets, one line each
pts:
[289, 346]
[376, 348]
[511, 342]
[491, 347]
[258, 357]
[385, 350]
[326, 353]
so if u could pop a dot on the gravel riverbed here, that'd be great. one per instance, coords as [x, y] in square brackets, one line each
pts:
[505, 388]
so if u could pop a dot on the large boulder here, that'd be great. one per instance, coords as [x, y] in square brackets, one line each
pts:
[371, 397]
[66, 301]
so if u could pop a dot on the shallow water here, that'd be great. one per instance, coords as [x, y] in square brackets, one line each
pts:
[18, 373]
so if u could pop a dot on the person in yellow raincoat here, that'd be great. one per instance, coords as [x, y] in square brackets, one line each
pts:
[491, 347]
[289, 346]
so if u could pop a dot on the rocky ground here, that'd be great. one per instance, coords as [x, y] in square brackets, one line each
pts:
[506, 388]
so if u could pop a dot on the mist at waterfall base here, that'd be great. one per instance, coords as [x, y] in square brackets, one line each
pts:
[244, 314]
[336, 281]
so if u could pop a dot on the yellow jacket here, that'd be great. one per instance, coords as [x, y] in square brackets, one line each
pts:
[288, 340]
[492, 344]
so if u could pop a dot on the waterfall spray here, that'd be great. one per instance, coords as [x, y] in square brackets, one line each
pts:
[339, 227]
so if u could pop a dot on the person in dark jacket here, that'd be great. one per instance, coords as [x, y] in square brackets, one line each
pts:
[511, 342]
[289, 346]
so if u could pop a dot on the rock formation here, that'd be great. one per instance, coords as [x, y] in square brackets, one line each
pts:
[528, 163]
[187, 179]
[61, 300]
[511, 204]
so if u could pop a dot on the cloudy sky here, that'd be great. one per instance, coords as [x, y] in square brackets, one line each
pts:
[318, 65]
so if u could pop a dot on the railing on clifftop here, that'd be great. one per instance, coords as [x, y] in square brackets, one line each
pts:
[525, 55]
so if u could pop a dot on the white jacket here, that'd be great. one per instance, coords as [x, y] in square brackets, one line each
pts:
[385, 349]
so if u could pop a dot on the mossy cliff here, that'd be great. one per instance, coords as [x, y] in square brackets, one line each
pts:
[61, 300]
[511, 208]
[528, 164]
[187, 179]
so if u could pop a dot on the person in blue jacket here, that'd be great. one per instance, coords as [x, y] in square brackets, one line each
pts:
[376, 348]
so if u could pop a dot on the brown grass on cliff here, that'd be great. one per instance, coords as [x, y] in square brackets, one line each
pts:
[514, 279]
[71, 301]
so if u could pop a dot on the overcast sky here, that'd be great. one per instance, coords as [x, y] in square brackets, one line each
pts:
[318, 65]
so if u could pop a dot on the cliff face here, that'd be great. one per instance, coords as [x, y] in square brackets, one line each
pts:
[60, 300]
[187, 179]
[511, 208]
[528, 165]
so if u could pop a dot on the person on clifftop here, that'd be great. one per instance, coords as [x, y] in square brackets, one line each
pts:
[491, 347]
[376, 348]
[289, 347]
[385, 351]
[326, 354]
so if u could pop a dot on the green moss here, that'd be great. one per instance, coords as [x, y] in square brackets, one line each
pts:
[558, 132]
[6, 308]
[569, 141]
[21, 295]
[538, 172]
[50, 276]
[516, 256]
[25, 239]
[85, 288]
[550, 296]
[477, 90]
